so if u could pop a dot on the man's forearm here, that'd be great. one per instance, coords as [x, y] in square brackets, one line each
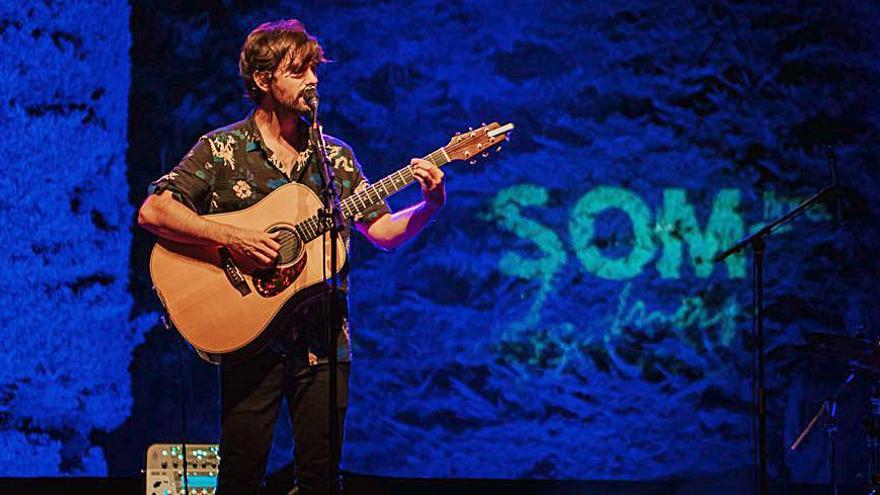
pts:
[393, 230]
[165, 217]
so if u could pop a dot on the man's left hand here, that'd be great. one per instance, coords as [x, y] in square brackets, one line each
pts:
[431, 179]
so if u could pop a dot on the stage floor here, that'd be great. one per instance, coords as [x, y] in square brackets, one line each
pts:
[375, 485]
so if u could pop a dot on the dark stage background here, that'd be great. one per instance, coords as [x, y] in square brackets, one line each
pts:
[560, 319]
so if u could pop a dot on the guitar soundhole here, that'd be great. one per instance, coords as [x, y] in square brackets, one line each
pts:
[291, 245]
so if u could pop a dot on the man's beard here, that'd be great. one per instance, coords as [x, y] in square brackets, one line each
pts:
[293, 105]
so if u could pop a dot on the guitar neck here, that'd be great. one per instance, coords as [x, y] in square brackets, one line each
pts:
[376, 193]
[463, 146]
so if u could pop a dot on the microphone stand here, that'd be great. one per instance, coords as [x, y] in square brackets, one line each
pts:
[166, 322]
[758, 243]
[330, 215]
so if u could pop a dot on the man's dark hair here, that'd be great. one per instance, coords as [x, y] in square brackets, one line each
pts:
[274, 43]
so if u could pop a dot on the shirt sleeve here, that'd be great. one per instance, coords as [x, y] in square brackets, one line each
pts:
[191, 180]
[360, 182]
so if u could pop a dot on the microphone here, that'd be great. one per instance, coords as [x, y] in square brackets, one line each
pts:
[832, 164]
[832, 167]
[310, 95]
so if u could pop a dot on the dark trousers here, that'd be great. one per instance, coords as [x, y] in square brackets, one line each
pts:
[250, 396]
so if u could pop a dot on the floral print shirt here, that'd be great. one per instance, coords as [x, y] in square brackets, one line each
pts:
[230, 169]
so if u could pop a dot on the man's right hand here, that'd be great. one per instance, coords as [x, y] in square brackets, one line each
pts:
[257, 245]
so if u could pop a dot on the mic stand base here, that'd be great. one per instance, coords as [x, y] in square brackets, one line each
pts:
[760, 404]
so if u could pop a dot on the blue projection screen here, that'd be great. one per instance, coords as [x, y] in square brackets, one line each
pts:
[562, 317]
[68, 329]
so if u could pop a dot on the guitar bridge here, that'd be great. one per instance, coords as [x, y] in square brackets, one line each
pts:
[233, 274]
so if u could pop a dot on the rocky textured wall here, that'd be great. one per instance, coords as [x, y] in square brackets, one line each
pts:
[562, 318]
[67, 332]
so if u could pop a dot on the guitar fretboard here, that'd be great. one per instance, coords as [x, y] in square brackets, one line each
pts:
[312, 228]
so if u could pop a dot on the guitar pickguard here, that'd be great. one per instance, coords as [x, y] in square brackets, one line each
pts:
[269, 283]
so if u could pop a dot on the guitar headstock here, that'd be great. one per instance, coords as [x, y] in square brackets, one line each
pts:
[476, 143]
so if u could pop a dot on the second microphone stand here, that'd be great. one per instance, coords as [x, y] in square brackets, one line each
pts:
[757, 242]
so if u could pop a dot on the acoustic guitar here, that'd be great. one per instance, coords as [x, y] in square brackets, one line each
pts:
[222, 303]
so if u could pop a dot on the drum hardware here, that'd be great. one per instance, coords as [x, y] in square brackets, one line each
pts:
[863, 358]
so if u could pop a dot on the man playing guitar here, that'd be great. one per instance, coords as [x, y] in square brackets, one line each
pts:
[233, 168]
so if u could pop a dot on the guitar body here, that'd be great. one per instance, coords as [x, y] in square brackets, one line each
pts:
[221, 303]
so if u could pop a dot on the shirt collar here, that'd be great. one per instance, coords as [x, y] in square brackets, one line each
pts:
[256, 141]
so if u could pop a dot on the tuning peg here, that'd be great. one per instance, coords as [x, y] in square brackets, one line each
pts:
[470, 128]
[458, 133]
[472, 162]
[485, 155]
[498, 148]
[483, 124]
